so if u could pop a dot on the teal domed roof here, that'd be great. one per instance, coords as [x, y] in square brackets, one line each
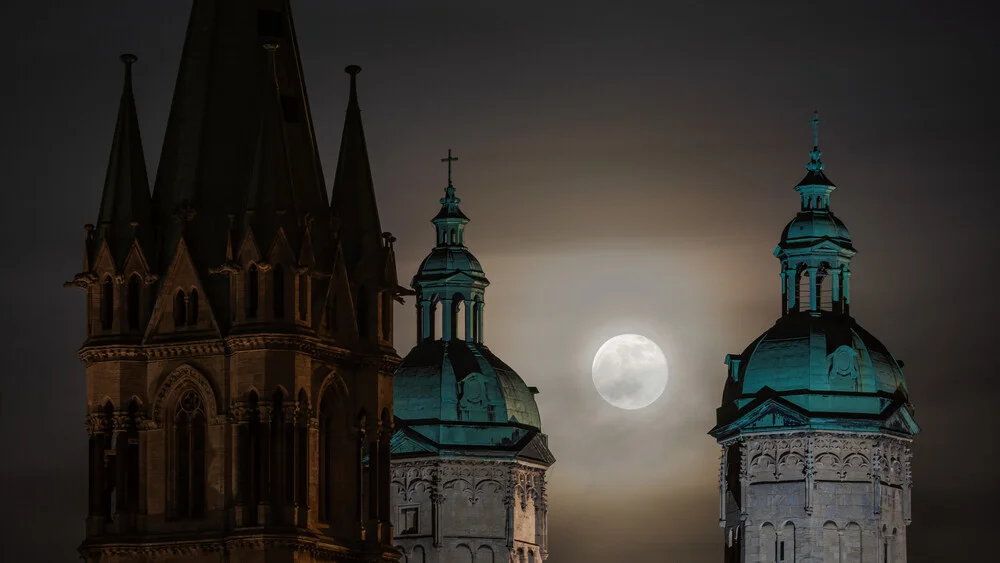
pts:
[444, 261]
[826, 370]
[463, 395]
[808, 227]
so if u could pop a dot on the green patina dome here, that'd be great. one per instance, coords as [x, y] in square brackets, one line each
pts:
[807, 228]
[459, 393]
[445, 261]
[816, 367]
[825, 364]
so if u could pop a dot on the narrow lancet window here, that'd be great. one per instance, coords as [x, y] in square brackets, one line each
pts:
[252, 293]
[107, 303]
[180, 309]
[134, 300]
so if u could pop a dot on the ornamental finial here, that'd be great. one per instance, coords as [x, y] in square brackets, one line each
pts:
[815, 155]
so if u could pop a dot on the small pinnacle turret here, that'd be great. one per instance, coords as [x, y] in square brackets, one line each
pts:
[125, 213]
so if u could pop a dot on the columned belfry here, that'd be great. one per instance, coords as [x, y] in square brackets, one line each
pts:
[816, 421]
[239, 350]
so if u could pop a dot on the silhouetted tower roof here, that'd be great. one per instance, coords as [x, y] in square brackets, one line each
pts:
[353, 200]
[270, 204]
[125, 212]
[211, 143]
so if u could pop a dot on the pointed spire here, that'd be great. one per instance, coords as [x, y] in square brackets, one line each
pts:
[125, 211]
[814, 169]
[353, 199]
[270, 203]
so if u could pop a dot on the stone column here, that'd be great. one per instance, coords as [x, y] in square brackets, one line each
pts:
[847, 289]
[141, 502]
[877, 480]
[264, 494]
[790, 289]
[722, 487]
[809, 470]
[312, 472]
[784, 293]
[469, 329]
[813, 294]
[837, 306]
[744, 479]
[907, 485]
[479, 322]
[447, 318]
[422, 328]
[437, 499]
[238, 418]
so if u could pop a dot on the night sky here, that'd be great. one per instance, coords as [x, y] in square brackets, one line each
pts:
[628, 167]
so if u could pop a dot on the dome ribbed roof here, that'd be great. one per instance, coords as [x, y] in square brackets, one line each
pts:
[809, 226]
[444, 261]
[824, 364]
[429, 385]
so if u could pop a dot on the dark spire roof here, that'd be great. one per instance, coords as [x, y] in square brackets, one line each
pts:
[353, 199]
[125, 205]
[210, 145]
[270, 202]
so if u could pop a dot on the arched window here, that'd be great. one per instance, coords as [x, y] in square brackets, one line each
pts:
[193, 307]
[250, 462]
[386, 315]
[786, 544]
[107, 303]
[302, 452]
[180, 309]
[362, 311]
[252, 291]
[134, 300]
[279, 292]
[189, 456]
[128, 452]
[303, 296]
[454, 237]
[282, 452]
[109, 463]
[335, 456]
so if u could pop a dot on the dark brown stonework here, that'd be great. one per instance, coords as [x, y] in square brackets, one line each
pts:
[238, 366]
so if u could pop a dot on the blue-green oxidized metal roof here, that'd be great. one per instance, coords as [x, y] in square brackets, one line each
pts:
[824, 367]
[429, 386]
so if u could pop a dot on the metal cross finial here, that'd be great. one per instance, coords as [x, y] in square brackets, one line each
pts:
[449, 160]
[815, 123]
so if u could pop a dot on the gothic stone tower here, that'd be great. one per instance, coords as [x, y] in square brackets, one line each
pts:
[239, 352]
[468, 456]
[815, 422]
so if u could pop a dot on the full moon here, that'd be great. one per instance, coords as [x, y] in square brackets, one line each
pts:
[630, 371]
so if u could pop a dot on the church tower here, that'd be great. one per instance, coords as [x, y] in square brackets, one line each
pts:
[815, 423]
[238, 351]
[468, 456]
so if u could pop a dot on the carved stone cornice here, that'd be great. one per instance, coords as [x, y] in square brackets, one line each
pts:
[185, 349]
[89, 354]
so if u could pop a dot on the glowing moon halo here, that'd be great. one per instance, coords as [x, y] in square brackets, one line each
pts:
[630, 371]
